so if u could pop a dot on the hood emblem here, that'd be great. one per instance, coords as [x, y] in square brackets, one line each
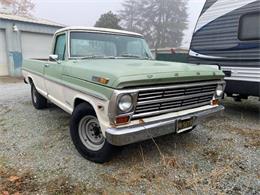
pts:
[149, 76]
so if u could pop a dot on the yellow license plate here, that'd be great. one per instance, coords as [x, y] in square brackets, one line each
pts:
[184, 125]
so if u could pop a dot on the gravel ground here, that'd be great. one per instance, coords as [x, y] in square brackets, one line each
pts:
[37, 156]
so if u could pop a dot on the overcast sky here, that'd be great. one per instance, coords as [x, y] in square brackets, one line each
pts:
[86, 12]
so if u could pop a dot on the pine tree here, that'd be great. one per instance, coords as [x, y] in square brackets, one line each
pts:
[130, 14]
[108, 20]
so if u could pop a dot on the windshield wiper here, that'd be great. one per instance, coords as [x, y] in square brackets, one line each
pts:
[133, 56]
[96, 57]
[111, 57]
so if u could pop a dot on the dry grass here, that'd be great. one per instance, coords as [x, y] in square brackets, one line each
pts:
[252, 136]
[253, 143]
[166, 161]
[144, 172]
[64, 186]
[13, 182]
[160, 174]
[246, 132]
[206, 182]
[154, 175]
[212, 155]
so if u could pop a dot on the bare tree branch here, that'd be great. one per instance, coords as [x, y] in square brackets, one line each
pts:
[19, 7]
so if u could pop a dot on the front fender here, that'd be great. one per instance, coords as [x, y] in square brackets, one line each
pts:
[100, 107]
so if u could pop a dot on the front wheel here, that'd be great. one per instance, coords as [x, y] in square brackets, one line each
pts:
[87, 136]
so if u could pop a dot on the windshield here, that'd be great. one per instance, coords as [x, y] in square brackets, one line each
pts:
[101, 45]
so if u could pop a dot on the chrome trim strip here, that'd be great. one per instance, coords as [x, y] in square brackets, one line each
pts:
[243, 73]
[176, 86]
[33, 72]
[135, 133]
[167, 111]
[161, 100]
[113, 110]
[242, 79]
[198, 55]
[51, 80]
[100, 30]
[68, 43]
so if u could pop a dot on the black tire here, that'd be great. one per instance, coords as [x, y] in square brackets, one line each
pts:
[39, 102]
[104, 151]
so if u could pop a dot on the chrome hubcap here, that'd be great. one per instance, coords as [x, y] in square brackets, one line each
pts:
[90, 133]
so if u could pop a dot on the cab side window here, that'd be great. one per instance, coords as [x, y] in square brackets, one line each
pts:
[60, 46]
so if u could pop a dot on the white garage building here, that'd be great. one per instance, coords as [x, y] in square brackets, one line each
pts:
[22, 38]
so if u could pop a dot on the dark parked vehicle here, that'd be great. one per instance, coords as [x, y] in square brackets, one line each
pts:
[228, 34]
[171, 54]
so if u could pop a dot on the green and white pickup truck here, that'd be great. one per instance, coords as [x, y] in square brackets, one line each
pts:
[116, 93]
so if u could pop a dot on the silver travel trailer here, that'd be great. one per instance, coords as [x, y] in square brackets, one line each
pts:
[228, 34]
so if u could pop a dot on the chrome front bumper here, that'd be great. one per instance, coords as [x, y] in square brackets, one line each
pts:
[135, 133]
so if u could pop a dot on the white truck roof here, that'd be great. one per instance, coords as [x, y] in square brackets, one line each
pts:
[95, 29]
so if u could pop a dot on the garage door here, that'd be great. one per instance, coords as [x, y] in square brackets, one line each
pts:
[3, 55]
[36, 45]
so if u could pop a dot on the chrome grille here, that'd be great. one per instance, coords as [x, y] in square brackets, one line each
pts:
[155, 101]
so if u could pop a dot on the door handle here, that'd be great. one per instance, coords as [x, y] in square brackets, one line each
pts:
[46, 65]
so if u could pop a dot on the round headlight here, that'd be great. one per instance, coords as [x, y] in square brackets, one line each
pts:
[219, 90]
[125, 103]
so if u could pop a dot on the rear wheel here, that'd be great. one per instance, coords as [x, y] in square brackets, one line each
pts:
[87, 136]
[39, 102]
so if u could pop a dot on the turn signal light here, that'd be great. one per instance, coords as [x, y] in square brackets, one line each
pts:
[103, 81]
[100, 80]
[122, 120]
[215, 102]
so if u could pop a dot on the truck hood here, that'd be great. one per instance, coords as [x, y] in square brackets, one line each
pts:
[123, 73]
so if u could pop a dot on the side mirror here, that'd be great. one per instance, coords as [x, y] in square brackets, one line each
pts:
[53, 58]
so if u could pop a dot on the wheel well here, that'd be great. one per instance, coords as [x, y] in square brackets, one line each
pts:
[30, 80]
[79, 101]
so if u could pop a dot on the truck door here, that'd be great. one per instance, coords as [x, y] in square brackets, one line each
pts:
[53, 71]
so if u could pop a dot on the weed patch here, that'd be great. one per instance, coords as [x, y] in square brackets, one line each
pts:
[12, 183]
